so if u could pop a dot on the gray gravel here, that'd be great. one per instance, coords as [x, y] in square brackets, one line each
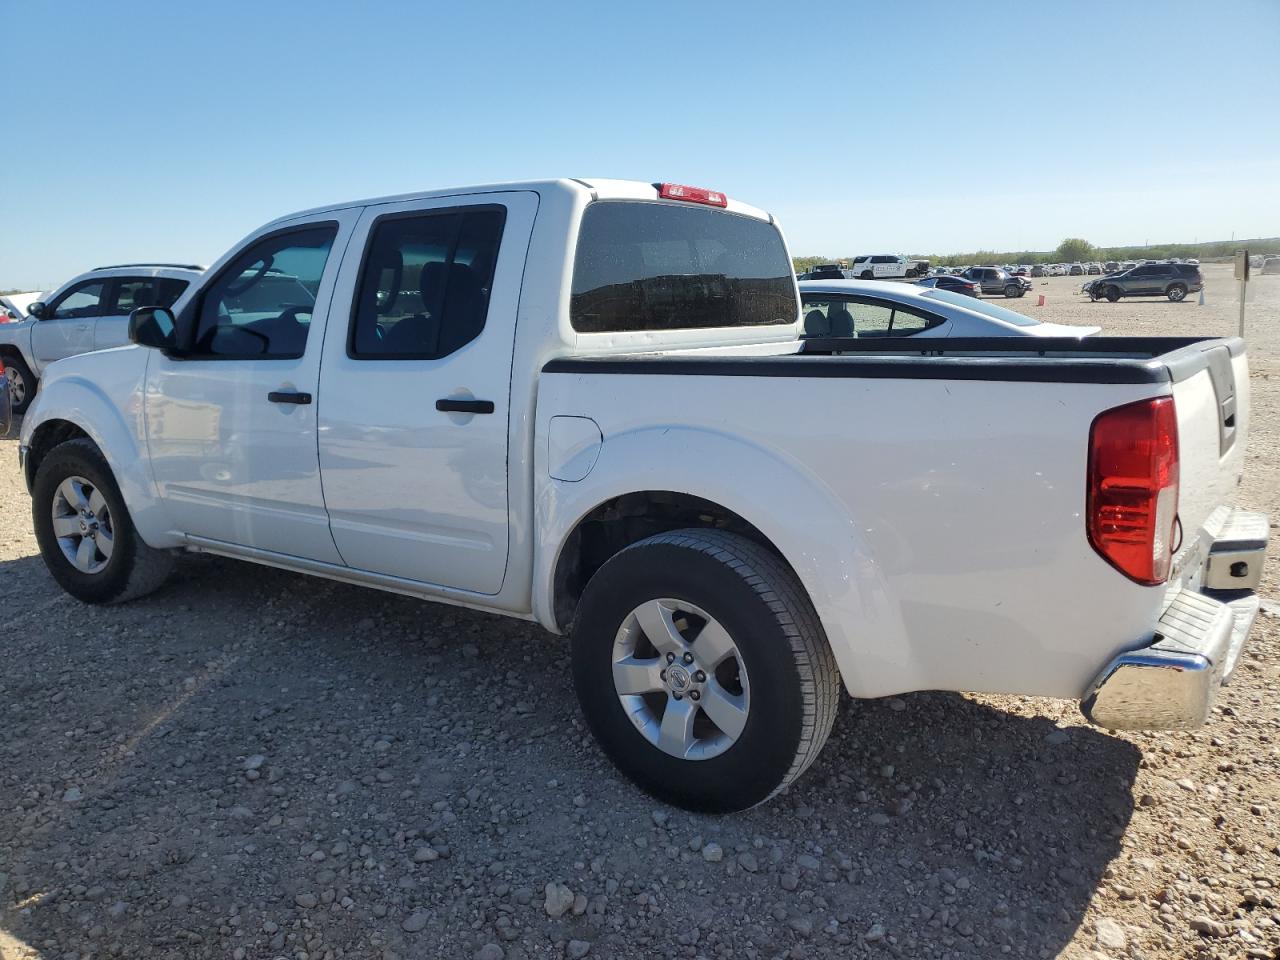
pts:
[251, 764]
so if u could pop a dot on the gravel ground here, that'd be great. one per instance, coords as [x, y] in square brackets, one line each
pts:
[252, 764]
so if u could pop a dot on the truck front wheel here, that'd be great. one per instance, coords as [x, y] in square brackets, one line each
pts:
[703, 670]
[84, 530]
[22, 383]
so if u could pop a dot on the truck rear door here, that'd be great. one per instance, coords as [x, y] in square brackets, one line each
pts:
[415, 390]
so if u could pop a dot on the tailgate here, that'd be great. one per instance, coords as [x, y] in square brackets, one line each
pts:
[1212, 400]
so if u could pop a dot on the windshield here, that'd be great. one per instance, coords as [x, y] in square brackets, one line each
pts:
[666, 266]
[980, 306]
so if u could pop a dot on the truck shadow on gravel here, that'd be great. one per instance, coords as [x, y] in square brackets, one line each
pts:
[252, 759]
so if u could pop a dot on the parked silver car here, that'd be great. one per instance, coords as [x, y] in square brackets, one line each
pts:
[869, 308]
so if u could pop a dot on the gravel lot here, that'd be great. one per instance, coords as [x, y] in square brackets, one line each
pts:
[254, 764]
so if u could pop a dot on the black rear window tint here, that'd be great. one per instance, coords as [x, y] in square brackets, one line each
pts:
[665, 266]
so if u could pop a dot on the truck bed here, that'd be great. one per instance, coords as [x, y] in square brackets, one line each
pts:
[1036, 359]
[934, 493]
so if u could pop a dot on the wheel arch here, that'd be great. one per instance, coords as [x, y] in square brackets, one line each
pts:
[615, 524]
[701, 478]
[74, 407]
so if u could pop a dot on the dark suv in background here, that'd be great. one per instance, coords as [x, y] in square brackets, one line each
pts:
[995, 280]
[1172, 280]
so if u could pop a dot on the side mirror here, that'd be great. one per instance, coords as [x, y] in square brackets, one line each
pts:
[154, 327]
[37, 310]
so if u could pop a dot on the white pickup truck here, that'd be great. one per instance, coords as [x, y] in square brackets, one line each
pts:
[588, 404]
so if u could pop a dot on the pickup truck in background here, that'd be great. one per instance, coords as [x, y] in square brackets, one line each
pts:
[587, 403]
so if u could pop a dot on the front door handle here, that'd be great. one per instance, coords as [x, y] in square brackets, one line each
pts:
[465, 406]
[288, 396]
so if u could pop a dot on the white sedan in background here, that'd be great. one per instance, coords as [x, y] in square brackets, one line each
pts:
[869, 308]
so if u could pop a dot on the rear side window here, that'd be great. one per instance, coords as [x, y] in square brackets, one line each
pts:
[168, 291]
[425, 285]
[131, 293]
[985, 307]
[665, 266]
[839, 317]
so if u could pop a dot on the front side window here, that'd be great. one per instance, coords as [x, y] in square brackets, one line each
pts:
[84, 301]
[425, 284]
[670, 266]
[260, 306]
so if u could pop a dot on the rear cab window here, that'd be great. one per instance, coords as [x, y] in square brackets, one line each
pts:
[661, 266]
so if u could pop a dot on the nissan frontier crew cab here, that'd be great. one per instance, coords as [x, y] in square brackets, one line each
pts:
[589, 404]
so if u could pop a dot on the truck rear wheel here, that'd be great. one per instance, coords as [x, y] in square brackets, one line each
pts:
[84, 530]
[866, 275]
[1177, 292]
[22, 382]
[703, 670]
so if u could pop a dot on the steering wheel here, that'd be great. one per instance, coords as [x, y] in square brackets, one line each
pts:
[292, 313]
[235, 289]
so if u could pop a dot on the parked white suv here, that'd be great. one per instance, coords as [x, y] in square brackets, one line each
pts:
[886, 266]
[88, 313]
[588, 404]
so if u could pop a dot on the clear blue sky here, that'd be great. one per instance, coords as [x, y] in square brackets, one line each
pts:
[170, 130]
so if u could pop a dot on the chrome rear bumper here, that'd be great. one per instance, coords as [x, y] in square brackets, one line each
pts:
[1171, 683]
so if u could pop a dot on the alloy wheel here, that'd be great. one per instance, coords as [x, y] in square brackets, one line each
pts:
[681, 679]
[17, 386]
[82, 525]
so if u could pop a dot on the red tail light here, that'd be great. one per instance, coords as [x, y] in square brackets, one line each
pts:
[675, 191]
[1132, 504]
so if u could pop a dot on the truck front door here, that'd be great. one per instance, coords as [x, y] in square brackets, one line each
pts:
[231, 424]
[67, 327]
[415, 398]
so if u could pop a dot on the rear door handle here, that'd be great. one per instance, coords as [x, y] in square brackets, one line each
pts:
[465, 406]
[288, 396]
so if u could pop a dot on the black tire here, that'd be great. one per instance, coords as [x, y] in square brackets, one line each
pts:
[1112, 293]
[22, 382]
[133, 569]
[1012, 290]
[764, 608]
[912, 274]
[866, 275]
[1177, 292]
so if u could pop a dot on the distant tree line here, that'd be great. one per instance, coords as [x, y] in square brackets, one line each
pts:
[1074, 249]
